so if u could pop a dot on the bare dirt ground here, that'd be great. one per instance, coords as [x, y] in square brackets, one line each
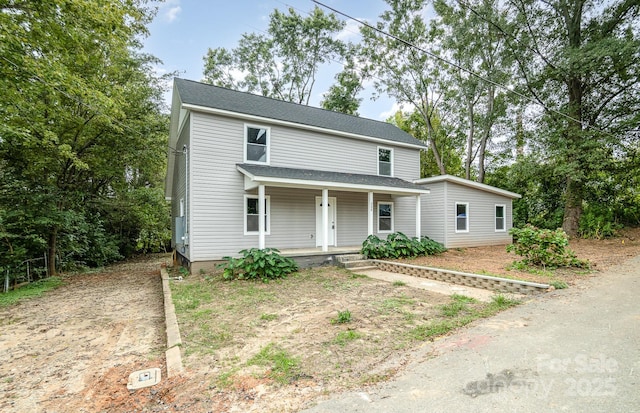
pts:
[495, 260]
[74, 348]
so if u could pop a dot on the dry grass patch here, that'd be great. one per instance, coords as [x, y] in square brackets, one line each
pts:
[319, 327]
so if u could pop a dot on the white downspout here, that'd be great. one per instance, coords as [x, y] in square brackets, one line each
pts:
[185, 152]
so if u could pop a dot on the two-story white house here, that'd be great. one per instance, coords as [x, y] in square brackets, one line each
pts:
[248, 171]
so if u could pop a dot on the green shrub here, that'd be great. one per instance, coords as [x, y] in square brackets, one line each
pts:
[598, 223]
[544, 248]
[398, 245]
[343, 317]
[264, 264]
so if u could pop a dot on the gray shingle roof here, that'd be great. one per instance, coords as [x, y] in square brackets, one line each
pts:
[391, 183]
[201, 94]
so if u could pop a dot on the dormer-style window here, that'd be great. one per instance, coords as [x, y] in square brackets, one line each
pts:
[256, 148]
[385, 161]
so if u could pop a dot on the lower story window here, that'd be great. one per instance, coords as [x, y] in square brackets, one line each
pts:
[385, 216]
[252, 215]
[500, 218]
[462, 217]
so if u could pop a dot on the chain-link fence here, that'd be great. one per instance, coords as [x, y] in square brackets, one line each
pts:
[27, 271]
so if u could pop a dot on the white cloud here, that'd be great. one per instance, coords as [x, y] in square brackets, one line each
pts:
[172, 14]
[392, 111]
[350, 32]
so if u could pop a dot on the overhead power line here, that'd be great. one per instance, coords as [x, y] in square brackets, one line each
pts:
[458, 66]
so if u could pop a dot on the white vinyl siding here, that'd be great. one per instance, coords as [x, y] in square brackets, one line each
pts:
[252, 217]
[439, 215]
[217, 194]
[385, 217]
[501, 218]
[297, 148]
[385, 161]
[462, 216]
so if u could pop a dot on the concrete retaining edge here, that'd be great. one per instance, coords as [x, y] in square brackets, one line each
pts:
[462, 278]
[174, 341]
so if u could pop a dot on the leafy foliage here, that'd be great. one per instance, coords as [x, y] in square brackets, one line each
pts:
[81, 130]
[544, 247]
[398, 245]
[263, 264]
[342, 318]
[598, 222]
[282, 64]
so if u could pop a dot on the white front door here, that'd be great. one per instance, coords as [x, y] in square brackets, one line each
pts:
[332, 222]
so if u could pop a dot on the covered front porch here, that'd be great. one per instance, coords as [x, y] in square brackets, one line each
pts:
[327, 187]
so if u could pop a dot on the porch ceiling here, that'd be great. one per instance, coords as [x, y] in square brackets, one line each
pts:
[311, 179]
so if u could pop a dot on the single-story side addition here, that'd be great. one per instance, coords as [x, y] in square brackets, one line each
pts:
[464, 213]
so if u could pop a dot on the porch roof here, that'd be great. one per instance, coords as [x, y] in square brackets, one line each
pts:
[312, 179]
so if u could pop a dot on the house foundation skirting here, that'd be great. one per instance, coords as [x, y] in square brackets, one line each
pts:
[470, 280]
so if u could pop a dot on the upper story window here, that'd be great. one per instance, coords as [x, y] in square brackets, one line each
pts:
[462, 217]
[256, 144]
[385, 161]
[500, 218]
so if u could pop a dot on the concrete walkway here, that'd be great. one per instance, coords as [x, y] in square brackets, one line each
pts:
[574, 350]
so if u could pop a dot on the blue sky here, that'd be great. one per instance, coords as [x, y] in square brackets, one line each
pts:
[183, 30]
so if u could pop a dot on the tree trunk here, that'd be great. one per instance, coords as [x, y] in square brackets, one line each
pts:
[51, 252]
[572, 208]
[470, 139]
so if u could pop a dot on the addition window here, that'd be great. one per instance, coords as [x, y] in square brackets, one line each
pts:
[256, 147]
[462, 217]
[385, 161]
[385, 216]
[252, 216]
[500, 218]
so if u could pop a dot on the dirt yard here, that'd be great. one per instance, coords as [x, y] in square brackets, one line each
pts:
[74, 348]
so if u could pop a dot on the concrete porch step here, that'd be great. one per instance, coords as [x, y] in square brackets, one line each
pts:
[349, 258]
[357, 264]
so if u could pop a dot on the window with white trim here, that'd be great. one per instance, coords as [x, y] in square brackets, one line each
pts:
[462, 217]
[252, 215]
[256, 144]
[385, 216]
[501, 219]
[385, 161]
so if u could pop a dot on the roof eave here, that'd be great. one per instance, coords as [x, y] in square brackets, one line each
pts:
[314, 184]
[246, 116]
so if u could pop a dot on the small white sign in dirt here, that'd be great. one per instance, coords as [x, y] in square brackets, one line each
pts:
[143, 378]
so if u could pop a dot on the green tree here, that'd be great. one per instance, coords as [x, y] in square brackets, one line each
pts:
[403, 71]
[81, 117]
[343, 95]
[282, 64]
[414, 124]
[474, 103]
[581, 61]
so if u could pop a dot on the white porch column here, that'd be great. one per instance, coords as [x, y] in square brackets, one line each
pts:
[325, 220]
[370, 214]
[418, 217]
[261, 214]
